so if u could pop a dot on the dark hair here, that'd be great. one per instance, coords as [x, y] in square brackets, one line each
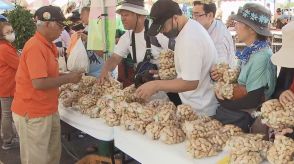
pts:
[278, 10]
[2, 25]
[207, 7]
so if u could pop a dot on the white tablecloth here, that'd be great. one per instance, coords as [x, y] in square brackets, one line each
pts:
[94, 127]
[148, 151]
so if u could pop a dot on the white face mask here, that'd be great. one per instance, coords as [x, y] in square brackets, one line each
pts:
[10, 37]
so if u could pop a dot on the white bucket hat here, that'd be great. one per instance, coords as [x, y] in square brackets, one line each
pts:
[135, 6]
[285, 56]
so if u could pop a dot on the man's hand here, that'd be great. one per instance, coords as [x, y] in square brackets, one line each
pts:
[215, 76]
[146, 90]
[102, 78]
[286, 96]
[75, 77]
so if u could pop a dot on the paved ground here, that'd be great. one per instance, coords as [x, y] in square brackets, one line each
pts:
[72, 149]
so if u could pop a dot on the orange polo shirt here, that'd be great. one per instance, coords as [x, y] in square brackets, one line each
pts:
[8, 65]
[38, 60]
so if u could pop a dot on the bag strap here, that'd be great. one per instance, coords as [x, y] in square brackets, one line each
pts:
[134, 47]
[148, 54]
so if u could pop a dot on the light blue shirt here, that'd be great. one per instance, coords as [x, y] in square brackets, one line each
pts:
[259, 72]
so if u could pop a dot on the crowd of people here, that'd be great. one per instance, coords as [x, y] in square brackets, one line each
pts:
[30, 80]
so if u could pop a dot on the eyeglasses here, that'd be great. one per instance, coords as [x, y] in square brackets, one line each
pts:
[198, 15]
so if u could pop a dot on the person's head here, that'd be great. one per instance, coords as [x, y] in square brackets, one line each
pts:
[252, 22]
[50, 22]
[279, 11]
[204, 12]
[167, 18]
[6, 32]
[85, 12]
[133, 14]
[75, 17]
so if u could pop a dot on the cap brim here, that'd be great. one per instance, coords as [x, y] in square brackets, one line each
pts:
[264, 31]
[154, 29]
[62, 22]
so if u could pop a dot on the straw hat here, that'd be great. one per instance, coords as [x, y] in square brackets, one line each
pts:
[285, 56]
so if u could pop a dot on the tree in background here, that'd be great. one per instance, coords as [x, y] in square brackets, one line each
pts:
[23, 25]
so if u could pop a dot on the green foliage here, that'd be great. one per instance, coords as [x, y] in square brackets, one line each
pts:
[23, 25]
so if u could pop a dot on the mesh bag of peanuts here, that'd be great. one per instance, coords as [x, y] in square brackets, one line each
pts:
[111, 118]
[282, 152]
[129, 93]
[221, 68]
[246, 158]
[245, 143]
[166, 117]
[275, 115]
[86, 102]
[171, 135]
[200, 129]
[185, 113]
[221, 136]
[200, 148]
[153, 130]
[226, 90]
[247, 148]
[167, 69]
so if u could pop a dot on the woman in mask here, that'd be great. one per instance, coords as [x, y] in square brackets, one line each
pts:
[257, 78]
[8, 65]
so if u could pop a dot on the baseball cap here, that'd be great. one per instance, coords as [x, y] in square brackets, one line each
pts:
[50, 13]
[161, 11]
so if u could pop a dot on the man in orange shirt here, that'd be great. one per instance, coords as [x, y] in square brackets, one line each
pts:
[35, 106]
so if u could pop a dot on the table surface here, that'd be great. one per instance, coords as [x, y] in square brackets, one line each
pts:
[138, 146]
[148, 151]
[94, 127]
